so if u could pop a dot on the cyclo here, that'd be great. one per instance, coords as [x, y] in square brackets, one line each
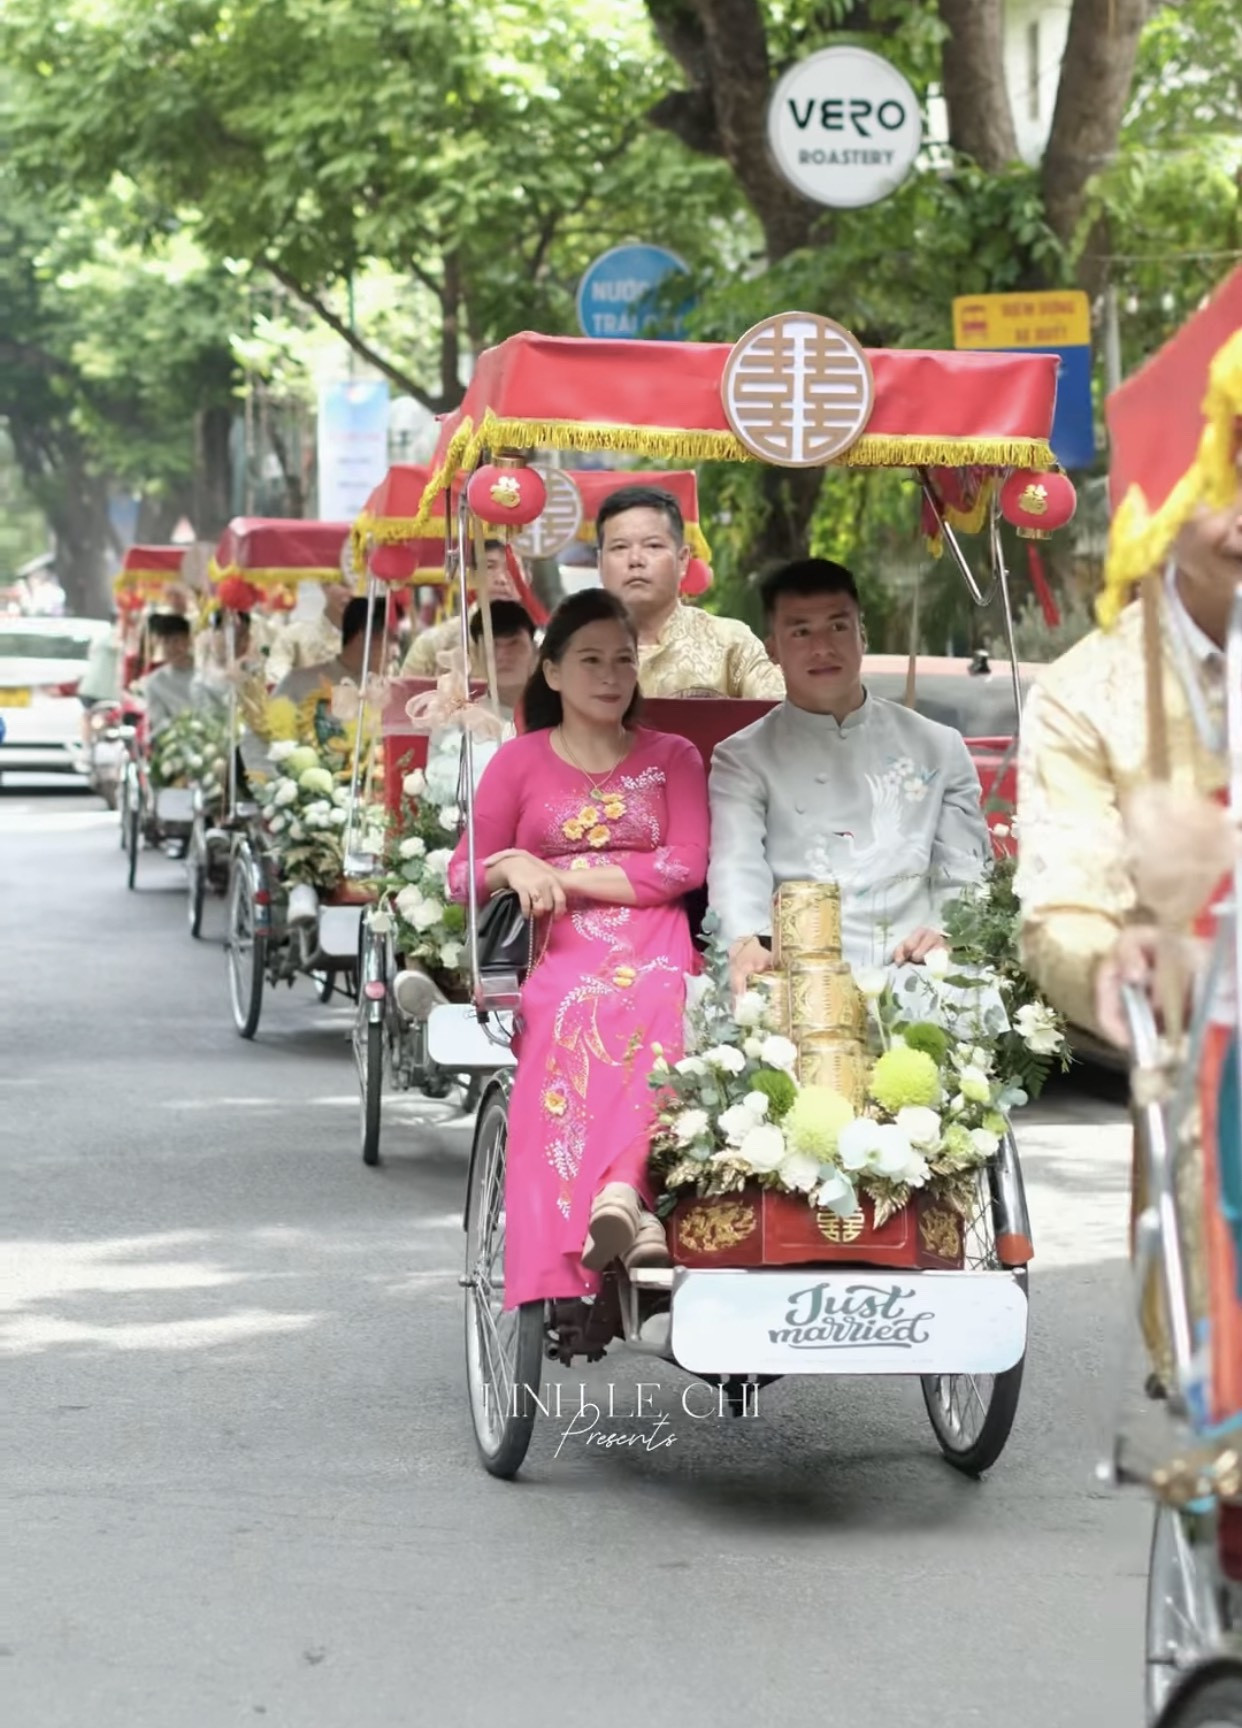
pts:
[1187, 1099]
[151, 816]
[262, 944]
[981, 413]
[390, 1037]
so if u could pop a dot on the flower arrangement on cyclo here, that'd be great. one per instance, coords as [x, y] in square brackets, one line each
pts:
[412, 897]
[305, 800]
[942, 1066]
[192, 750]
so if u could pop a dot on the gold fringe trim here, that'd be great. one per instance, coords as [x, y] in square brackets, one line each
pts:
[272, 578]
[1139, 541]
[670, 444]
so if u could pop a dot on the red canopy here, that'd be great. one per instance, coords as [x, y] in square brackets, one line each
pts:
[148, 569]
[1175, 428]
[1155, 419]
[275, 552]
[663, 399]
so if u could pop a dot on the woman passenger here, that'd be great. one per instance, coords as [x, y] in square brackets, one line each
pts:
[600, 827]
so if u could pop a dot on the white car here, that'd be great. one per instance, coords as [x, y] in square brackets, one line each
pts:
[41, 663]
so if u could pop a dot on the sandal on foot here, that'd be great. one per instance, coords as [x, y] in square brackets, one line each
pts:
[615, 1221]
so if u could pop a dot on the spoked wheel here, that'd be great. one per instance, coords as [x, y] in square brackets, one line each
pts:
[132, 827]
[1213, 1700]
[972, 1414]
[1183, 1612]
[196, 882]
[369, 1056]
[504, 1349]
[247, 951]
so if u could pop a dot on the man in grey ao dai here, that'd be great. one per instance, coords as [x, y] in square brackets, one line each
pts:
[838, 784]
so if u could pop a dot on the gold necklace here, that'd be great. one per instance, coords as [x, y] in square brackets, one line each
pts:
[596, 783]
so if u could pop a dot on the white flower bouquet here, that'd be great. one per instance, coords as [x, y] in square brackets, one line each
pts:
[305, 813]
[412, 898]
[937, 1099]
[192, 750]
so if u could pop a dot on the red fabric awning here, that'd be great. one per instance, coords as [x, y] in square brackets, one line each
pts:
[274, 552]
[1155, 419]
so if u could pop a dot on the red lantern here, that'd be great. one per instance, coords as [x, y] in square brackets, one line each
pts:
[506, 494]
[393, 563]
[129, 602]
[281, 600]
[235, 594]
[697, 579]
[1037, 504]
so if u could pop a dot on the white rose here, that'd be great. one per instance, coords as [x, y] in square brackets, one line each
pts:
[1036, 1025]
[752, 1049]
[799, 1171]
[296, 830]
[726, 1057]
[428, 914]
[281, 748]
[450, 817]
[340, 795]
[439, 860]
[380, 921]
[779, 1052]
[736, 1122]
[920, 1125]
[975, 1085]
[412, 848]
[339, 818]
[692, 1065]
[751, 1010]
[856, 1143]
[764, 1148]
[450, 955]
[689, 1125]
[408, 902]
[415, 784]
[937, 963]
[871, 981]
[757, 1103]
[277, 822]
[985, 1142]
[286, 793]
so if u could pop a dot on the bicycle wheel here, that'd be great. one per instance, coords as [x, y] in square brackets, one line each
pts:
[133, 829]
[504, 1348]
[1183, 1614]
[972, 1414]
[196, 880]
[1212, 1700]
[247, 951]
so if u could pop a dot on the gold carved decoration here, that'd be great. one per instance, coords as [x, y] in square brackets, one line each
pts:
[711, 1228]
[941, 1231]
[1034, 500]
[506, 492]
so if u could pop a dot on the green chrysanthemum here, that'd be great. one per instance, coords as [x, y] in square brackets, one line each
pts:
[779, 1090]
[904, 1076]
[932, 1040]
[816, 1119]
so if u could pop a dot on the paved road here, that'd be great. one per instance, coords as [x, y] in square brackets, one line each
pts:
[239, 1469]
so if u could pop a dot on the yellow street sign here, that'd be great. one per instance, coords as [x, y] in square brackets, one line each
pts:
[1059, 319]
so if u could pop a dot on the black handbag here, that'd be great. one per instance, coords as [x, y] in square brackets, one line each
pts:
[506, 937]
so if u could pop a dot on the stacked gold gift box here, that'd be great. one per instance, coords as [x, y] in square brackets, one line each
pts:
[812, 992]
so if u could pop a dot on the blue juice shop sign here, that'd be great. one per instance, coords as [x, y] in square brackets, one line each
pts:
[622, 295]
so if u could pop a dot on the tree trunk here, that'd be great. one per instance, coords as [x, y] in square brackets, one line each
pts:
[213, 471]
[77, 514]
[721, 46]
[790, 495]
[973, 78]
[1096, 77]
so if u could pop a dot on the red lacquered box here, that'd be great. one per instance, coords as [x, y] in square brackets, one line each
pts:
[761, 1227]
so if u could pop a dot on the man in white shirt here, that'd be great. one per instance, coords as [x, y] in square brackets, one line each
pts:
[169, 690]
[346, 662]
[838, 784]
